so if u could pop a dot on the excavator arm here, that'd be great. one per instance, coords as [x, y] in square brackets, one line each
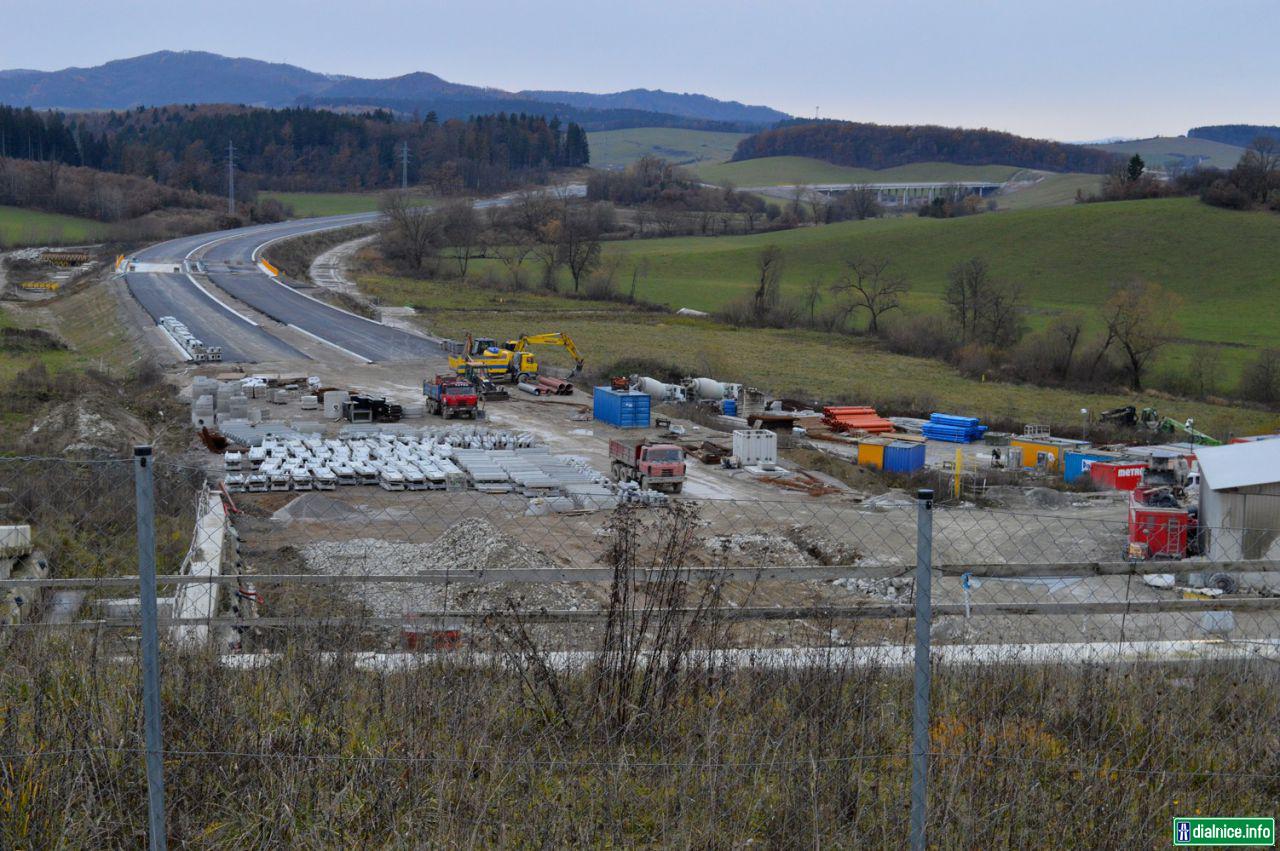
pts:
[1169, 424]
[554, 339]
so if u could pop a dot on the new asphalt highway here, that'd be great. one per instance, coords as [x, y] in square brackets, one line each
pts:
[181, 278]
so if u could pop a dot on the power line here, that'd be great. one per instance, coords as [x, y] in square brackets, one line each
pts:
[231, 178]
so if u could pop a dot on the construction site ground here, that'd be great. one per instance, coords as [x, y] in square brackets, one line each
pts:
[748, 522]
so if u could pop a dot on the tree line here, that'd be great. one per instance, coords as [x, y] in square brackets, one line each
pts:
[983, 328]
[548, 231]
[299, 149]
[878, 146]
[1253, 183]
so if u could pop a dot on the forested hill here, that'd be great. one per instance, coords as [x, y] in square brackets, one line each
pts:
[185, 147]
[884, 146]
[1240, 135]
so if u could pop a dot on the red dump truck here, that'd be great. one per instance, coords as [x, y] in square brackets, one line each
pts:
[657, 466]
[450, 396]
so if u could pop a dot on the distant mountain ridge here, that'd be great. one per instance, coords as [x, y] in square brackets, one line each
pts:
[670, 103]
[173, 77]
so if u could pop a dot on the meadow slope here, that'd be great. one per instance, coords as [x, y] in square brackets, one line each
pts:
[619, 148]
[1223, 263]
[1160, 150]
[779, 171]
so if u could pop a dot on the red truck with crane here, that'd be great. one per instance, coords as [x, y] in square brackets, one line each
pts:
[654, 466]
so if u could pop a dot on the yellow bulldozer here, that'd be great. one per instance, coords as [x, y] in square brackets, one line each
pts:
[511, 361]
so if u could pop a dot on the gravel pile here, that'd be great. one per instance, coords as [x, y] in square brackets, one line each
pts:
[471, 545]
[893, 590]
[825, 549]
[752, 549]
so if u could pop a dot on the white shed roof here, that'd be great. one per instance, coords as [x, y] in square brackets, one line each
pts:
[1240, 465]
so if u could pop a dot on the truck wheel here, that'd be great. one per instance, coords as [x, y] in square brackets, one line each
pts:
[522, 378]
[1224, 582]
[677, 487]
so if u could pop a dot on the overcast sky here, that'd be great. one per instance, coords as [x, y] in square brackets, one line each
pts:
[1067, 70]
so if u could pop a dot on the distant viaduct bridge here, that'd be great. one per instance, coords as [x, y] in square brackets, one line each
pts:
[888, 194]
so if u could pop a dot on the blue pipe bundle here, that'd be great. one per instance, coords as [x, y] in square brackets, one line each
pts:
[953, 429]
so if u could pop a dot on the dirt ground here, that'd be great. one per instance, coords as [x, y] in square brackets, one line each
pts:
[744, 522]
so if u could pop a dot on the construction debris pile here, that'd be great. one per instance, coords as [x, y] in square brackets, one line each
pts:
[470, 545]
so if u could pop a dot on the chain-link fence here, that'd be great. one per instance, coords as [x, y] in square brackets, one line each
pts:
[354, 665]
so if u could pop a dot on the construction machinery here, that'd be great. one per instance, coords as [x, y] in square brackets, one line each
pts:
[655, 466]
[1161, 524]
[485, 386]
[1150, 418]
[512, 361]
[450, 396]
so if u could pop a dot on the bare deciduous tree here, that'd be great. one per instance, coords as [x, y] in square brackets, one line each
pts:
[768, 288]
[463, 231]
[579, 243]
[1066, 331]
[410, 230]
[869, 285]
[863, 202]
[639, 272]
[812, 296]
[1141, 319]
[984, 309]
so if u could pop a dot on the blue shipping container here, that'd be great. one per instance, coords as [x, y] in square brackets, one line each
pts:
[903, 457]
[621, 408]
[1075, 462]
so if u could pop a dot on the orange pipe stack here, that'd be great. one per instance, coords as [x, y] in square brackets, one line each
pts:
[855, 418]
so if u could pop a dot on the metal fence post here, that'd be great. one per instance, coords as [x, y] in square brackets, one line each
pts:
[920, 715]
[144, 489]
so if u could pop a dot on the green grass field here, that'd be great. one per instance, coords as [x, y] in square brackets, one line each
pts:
[1162, 149]
[306, 204]
[452, 295]
[777, 171]
[812, 364]
[619, 148]
[1054, 190]
[1223, 263]
[31, 227]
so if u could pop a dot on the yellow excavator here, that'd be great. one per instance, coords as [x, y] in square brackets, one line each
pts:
[512, 361]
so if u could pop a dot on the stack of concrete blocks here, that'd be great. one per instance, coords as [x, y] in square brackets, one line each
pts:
[203, 393]
[202, 412]
[238, 407]
[19, 561]
[279, 396]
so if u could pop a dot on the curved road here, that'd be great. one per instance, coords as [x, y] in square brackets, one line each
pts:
[228, 260]
[164, 279]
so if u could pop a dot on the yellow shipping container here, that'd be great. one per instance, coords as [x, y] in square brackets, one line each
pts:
[871, 453]
[1033, 449]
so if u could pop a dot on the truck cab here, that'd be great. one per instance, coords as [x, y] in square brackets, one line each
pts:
[451, 396]
[657, 466]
